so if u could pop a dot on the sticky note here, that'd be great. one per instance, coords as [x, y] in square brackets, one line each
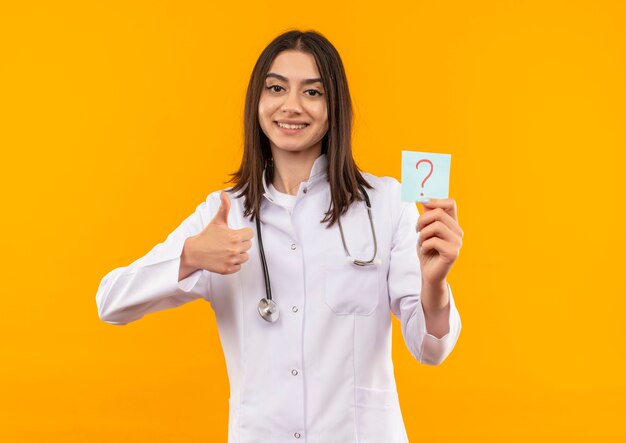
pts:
[425, 175]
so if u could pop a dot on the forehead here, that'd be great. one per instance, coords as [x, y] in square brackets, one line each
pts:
[295, 65]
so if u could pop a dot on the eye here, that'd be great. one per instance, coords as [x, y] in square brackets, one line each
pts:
[272, 88]
[315, 91]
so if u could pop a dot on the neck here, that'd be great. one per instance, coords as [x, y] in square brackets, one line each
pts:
[292, 168]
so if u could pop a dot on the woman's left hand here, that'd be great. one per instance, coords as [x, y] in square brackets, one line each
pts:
[440, 239]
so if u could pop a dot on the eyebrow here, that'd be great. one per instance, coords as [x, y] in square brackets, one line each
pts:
[307, 81]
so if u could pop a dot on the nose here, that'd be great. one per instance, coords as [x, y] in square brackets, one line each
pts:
[292, 102]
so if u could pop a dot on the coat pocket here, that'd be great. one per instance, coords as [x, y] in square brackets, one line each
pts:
[378, 416]
[350, 289]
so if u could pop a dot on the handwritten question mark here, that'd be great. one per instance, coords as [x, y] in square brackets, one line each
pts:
[429, 174]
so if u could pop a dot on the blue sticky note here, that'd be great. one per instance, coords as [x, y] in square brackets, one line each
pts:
[425, 175]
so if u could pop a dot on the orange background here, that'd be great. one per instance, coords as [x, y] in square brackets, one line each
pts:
[118, 118]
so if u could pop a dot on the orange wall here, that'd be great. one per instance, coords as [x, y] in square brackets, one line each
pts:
[117, 119]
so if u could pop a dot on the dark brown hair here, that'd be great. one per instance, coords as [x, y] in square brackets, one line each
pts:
[343, 175]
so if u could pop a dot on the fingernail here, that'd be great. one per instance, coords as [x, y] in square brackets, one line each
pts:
[418, 239]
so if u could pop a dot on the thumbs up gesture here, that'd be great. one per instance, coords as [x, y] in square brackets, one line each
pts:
[217, 248]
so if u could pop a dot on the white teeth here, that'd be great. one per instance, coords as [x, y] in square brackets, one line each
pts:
[287, 126]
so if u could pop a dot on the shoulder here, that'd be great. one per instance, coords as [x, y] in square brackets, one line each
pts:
[387, 196]
[388, 188]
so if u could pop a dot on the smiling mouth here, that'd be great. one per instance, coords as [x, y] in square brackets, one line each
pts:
[291, 126]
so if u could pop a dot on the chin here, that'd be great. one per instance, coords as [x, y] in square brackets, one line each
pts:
[292, 148]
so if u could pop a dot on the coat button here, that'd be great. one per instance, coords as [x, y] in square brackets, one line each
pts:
[293, 246]
[297, 435]
[294, 309]
[294, 372]
[304, 190]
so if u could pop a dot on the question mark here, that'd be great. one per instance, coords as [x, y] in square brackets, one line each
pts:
[429, 174]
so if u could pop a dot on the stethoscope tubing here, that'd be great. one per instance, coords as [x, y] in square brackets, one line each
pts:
[268, 286]
[267, 307]
[355, 261]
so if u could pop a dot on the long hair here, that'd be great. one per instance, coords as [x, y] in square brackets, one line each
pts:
[343, 175]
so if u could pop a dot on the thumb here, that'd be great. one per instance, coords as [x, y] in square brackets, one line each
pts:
[424, 204]
[221, 217]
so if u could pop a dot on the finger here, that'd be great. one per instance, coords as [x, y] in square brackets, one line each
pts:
[243, 257]
[438, 214]
[245, 245]
[447, 204]
[443, 248]
[244, 233]
[232, 269]
[439, 230]
[230, 266]
[221, 217]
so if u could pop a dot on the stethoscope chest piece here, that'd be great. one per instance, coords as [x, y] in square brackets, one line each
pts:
[268, 310]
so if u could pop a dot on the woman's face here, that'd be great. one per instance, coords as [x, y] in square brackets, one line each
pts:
[292, 109]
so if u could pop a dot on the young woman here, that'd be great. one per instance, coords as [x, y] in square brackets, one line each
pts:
[302, 260]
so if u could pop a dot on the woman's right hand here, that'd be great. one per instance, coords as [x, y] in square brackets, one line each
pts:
[217, 248]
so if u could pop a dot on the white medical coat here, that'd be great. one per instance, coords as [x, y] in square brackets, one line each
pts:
[323, 372]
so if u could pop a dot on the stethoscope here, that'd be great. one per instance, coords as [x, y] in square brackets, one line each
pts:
[268, 307]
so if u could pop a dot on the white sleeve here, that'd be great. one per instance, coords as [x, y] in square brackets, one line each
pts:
[150, 283]
[405, 282]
